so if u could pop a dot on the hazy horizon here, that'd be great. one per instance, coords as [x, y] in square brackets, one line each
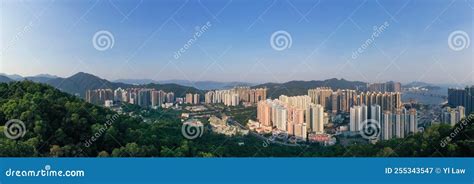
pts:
[459, 85]
[324, 40]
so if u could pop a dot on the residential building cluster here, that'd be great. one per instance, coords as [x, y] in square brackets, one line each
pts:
[193, 98]
[452, 116]
[392, 124]
[235, 96]
[306, 115]
[140, 96]
[99, 96]
[295, 115]
[382, 104]
[342, 100]
[462, 97]
[385, 87]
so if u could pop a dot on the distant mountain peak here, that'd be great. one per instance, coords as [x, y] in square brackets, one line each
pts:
[82, 73]
[4, 79]
[336, 79]
[12, 76]
[46, 76]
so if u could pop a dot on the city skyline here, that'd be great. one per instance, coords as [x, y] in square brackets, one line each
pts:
[148, 40]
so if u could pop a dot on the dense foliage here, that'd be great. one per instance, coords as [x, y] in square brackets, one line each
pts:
[59, 124]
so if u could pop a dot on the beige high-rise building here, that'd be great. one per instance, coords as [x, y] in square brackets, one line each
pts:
[99, 96]
[358, 115]
[264, 113]
[189, 98]
[300, 131]
[196, 99]
[301, 102]
[335, 101]
[158, 98]
[315, 118]
[170, 97]
[236, 95]
[389, 101]
[296, 120]
[209, 97]
[400, 118]
[321, 96]
[155, 98]
[387, 120]
[413, 120]
[235, 99]
[279, 116]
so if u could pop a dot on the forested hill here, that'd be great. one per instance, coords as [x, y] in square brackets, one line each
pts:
[60, 124]
[53, 120]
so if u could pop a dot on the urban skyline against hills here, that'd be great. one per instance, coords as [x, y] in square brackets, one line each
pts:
[275, 41]
[227, 84]
[375, 91]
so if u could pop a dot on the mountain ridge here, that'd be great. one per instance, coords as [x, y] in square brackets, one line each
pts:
[300, 87]
[202, 85]
[5, 79]
[79, 83]
[36, 78]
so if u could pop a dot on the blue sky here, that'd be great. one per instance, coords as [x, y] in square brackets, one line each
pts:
[55, 37]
